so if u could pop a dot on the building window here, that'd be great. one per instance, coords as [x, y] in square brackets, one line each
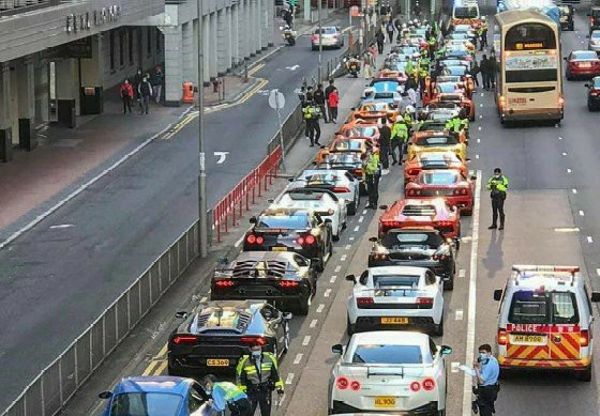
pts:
[158, 40]
[130, 41]
[121, 48]
[149, 41]
[111, 46]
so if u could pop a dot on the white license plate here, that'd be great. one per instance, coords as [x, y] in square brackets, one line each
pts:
[528, 339]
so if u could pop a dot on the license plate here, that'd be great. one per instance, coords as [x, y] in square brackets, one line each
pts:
[217, 362]
[518, 101]
[585, 65]
[528, 339]
[394, 320]
[278, 248]
[385, 402]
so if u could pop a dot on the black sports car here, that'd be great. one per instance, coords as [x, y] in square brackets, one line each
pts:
[418, 246]
[286, 278]
[290, 229]
[215, 335]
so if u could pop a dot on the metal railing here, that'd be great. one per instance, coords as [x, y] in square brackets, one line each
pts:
[12, 7]
[56, 384]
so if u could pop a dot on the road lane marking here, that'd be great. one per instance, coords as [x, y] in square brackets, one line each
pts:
[356, 228]
[306, 340]
[349, 246]
[569, 171]
[364, 211]
[574, 190]
[458, 315]
[343, 258]
[478, 140]
[480, 116]
[560, 138]
[564, 153]
[598, 272]
[462, 273]
[482, 94]
[150, 368]
[337, 269]
[351, 239]
[581, 213]
[289, 379]
[61, 226]
[204, 299]
[567, 230]
[472, 299]
[361, 219]
[327, 293]
[332, 280]
[256, 69]
[320, 308]
[313, 323]
[161, 368]
[479, 128]
[590, 239]
[298, 358]
[238, 242]
[480, 105]
[476, 156]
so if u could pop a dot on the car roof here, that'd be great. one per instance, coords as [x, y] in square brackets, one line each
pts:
[394, 270]
[527, 277]
[390, 337]
[153, 384]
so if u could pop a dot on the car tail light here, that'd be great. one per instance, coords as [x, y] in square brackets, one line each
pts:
[561, 101]
[260, 239]
[460, 191]
[286, 284]
[306, 240]
[251, 341]
[413, 172]
[355, 385]
[364, 301]
[425, 302]
[185, 339]
[584, 338]
[428, 384]
[502, 336]
[251, 239]
[413, 192]
[357, 171]
[343, 189]
[342, 383]
[224, 283]
[415, 386]
[594, 93]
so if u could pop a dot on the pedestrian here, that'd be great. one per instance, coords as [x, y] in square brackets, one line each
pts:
[258, 376]
[372, 173]
[145, 93]
[484, 68]
[412, 96]
[492, 70]
[289, 18]
[398, 138]
[126, 92]
[333, 101]
[320, 101]
[487, 372]
[474, 71]
[367, 65]
[309, 94]
[380, 39]
[225, 394]
[385, 135]
[311, 117]
[390, 31]
[158, 79]
[497, 185]
[330, 88]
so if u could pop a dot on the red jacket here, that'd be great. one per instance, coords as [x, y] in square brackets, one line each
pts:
[334, 99]
[126, 90]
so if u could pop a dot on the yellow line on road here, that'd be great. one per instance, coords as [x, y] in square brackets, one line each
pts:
[150, 368]
[161, 368]
[250, 93]
[163, 350]
[255, 69]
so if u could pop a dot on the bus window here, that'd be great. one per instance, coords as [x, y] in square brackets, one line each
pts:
[529, 36]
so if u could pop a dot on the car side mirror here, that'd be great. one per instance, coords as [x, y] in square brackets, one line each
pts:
[497, 294]
[252, 220]
[270, 201]
[287, 316]
[105, 395]
[373, 239]
[595, 296]
[565, 59]
[337, 349]
[351, 278]
[383, 207]
[445, 350]
[587, 85]
[181, 314]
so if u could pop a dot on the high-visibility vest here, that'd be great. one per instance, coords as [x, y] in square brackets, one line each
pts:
[372, 165]
[248, 376]
[400, 130]
[501, 183]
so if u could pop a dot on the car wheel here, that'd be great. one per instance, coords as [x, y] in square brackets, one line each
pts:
[304, 305]
[350, 328]
[438, 330]
[449, 284]
[352, 208]
[585, 375]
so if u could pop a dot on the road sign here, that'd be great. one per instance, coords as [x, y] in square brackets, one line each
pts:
[276, 100]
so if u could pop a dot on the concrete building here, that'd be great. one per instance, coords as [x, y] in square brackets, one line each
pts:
[233, 30]
[57, 57]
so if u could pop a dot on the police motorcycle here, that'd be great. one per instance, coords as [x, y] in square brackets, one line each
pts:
[288, 34]
[352, 65]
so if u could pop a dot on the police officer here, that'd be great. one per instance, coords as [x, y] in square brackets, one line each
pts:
[398, 139]
[310, 113]
[257, 374]
[372, 174]
[454, 124]
[497, 185]
[487, 372]
[226, 394]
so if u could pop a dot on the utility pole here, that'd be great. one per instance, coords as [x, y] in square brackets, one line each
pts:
[202, 206]
[319, 5]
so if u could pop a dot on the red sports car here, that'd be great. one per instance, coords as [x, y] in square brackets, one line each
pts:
[450, 184]
[432, 160]
[433, 212]
[582, 64]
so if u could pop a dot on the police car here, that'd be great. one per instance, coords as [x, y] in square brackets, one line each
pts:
[396, 297]
[545, 320]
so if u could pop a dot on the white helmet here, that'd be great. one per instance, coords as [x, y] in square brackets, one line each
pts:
[368, 91]
[483, 18]
[416, 21]
[403, 25]
[410, 109]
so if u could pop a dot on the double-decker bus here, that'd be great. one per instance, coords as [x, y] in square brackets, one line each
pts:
[528, 77]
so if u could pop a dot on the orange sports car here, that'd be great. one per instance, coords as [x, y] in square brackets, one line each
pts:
[450, 184]
[370, 131]
[433, 212]
[341, 144]
[432, 160]
[428, 141]
[373, 112]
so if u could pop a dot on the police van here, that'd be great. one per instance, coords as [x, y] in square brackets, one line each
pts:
[545, 320]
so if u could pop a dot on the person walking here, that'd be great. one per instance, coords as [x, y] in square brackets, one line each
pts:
[487, 372]
[137, 80]
[311, 117]
[474, 72]
[367, 65]
[380, 39]
[390, 31]
[385, 135]
[372, 174]
[398, 137]
[145, 93]
[333, 102]
[225, 394]
[257, 374]
[319, 97]
[498, 186]
[158, 79]
[330, 88]
[126, 92]
[484, 68]
[492, 70]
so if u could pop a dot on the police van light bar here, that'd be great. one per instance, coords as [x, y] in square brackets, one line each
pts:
[522, 268]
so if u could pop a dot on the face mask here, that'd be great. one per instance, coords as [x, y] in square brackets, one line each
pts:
[497, 176]
[208, 391]
[256, 354]
[483, 357]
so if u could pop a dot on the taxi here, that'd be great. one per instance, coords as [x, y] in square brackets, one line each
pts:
[545, 320]
[342, 144]
[422, 142]
[433, 160]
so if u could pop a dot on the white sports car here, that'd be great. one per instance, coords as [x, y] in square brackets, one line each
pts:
[396, 297]
[389, 371]
[323, 202]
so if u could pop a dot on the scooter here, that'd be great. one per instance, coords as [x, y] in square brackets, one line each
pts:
[289, 35]
[352, 66]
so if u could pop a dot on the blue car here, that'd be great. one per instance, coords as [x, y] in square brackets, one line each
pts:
[383, 91]
[157, 396]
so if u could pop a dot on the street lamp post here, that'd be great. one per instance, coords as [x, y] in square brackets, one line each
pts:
[319, 5]
[202, 206]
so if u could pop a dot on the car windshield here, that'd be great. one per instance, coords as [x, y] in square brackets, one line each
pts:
[439, 116]
[326, 31]
[387, 281]
[595, 34]
[220, 318]
[457, 52]
[436, 140]
[539, 307]
[456, 70]
[446, 87]
[364, 131]
[145, 404]
[387, 354]
[584, 55]
[343, 159]
[448, 78]
[436, 159]
[290, 222]
[459, 36]
[353, 145]
[419, 211]
[462, 28]
[440, 178]
[374, 107]
[468, 12]
[402, 239]
[321, 178]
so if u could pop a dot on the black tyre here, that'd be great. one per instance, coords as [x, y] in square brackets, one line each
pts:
[438, 330]
[449, 284]
[350, 328]
[304, 305]
[352, 208]
[585, 375]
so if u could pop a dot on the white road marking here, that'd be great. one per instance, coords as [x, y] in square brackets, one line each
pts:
[581, 213]
[482, 94]
[574, 190]
[472, 306]
[454, 366]
[332, 280]
[560, 138]
[567, 230]
[298, 358]
[458, 315]
[292, 68]
[222, 156]
[364, 211]
[462, 273]
[349, 246]
[337, 269]
[479, 128]
[351, 239]
[306, 340]
[238, 242]
[478, 140]
[313, 323]
[289, 379]
[361, 219]
[61, 226]
[480, 105]
[590, 239]
[320, 308]
[327, 293]
[477, 156]
[598, 272]
[480, 116]
[569, 171]
[356, 228]
[564, 153]
[204, 299]
[343, 258]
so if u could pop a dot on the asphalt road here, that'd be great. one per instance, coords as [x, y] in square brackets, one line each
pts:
[61, 275]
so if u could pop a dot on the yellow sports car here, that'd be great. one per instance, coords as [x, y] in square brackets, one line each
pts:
[428, 141]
